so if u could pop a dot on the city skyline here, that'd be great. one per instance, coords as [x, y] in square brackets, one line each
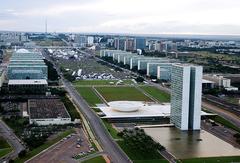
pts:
[138, 17]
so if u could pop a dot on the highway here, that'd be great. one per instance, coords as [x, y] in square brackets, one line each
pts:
[109, 146]
[223, 113]
[233, 108]
[12, 139]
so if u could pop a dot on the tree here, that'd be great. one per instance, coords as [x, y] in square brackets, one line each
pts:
[137, 140]
[139, 79]
[237, 135]
[11, 161]
[22, 153]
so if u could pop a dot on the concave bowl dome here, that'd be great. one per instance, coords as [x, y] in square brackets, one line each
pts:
[22, 51]
[125, 106]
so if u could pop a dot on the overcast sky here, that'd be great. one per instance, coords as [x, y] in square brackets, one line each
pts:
[123, 16]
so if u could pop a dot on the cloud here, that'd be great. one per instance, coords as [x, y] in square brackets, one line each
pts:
[128, 16]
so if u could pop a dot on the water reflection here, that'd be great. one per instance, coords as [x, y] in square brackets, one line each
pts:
[191, 144]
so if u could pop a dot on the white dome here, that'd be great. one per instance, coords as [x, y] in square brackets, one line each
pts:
[126, 106]
[22, 51]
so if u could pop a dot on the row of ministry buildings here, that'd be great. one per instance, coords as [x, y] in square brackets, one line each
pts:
[186, 85]
[152, 66]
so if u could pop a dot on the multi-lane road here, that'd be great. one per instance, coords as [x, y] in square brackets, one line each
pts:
[109, 146]
[12, 139]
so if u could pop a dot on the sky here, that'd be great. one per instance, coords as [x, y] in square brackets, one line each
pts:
[207, 17]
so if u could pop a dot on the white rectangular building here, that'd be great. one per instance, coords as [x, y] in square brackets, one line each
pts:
[2, 77]
[186, 96]
[48, 112]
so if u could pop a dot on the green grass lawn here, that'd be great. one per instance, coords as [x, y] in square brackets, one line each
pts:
[5, 148]
[5, 151]
[226, 123]
[233, 100]
[70, 108]
[157, 94]
[98, 159]
[213, 160]
[151, 161]
[111, 130]
[122, 93]
[139, 157]
[37, 150]
[99, 82]
[94, 82]
[88, 94]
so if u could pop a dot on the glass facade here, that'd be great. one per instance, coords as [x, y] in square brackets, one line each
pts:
[164, 68]
[27, 66]
[140, 43]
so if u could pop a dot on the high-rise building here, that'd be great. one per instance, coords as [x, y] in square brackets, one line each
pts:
[130, 44]
[140, 43]
[116, 43]
[120, 43]
[159, 46]
[90, 40]
[81, 40]
[186, 96]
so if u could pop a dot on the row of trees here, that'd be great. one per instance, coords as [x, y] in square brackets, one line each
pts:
[137, 139]
[52, 72]
[237, 136]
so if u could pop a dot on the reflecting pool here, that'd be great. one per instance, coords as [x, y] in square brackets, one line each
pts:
[191, 144]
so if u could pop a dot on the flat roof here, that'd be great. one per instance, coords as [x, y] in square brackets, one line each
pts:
[204, 81]
[26, 60]
[47, 108]
[1, 71]
[146, 110]
[28, 81]
[26, 65]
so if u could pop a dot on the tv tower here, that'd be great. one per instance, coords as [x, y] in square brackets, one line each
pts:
[46, 26]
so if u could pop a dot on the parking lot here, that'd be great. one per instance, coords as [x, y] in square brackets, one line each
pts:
[67, 150]
[90, 68]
